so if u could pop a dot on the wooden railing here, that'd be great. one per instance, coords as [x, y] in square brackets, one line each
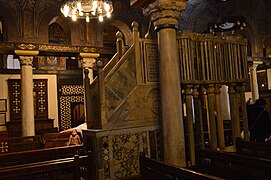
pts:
[153, 169]
[27, 143]
[232, 166]
[32, 156]
[74, 168]
[255, 149]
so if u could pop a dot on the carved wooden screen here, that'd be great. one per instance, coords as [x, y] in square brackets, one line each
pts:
[39, 94]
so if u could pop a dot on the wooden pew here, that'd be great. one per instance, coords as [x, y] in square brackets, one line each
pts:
[255, 149]
[153, 169]
[32, 156]
[55, 139]
[18, 144]
[74, 168]
[232, 166]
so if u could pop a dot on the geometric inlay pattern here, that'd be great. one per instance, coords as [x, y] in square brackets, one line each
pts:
[16, 97]
[152, 60]
[106, 157]
[72, 89]
[40, 98]
[65, 110]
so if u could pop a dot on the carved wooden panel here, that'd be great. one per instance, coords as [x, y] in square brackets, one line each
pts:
[151, 62]
[40, 98]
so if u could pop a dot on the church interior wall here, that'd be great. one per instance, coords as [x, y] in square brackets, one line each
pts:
[52, 93]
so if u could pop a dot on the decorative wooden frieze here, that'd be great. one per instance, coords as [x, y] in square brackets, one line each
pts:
[56, 48]
[26, 46]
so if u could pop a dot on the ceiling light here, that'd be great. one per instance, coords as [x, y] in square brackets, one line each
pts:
[87, 9]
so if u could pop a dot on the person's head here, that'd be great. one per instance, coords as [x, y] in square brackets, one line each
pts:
[74, 132]
[260, 102]
[249, 101]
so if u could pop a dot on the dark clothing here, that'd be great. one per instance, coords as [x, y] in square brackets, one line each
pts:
[259, 118]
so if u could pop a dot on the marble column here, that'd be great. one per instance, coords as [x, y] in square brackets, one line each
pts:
[190, 126]
[220, 128]
[88, 63]
[27, 105]
[234, 113]
[244, 110]
[199, 136]
[211, 113]
[165, 16]
[225, 111]
[253, 80]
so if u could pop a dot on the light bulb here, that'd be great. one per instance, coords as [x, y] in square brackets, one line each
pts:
[108, 14]
[73, 11]
[106, 7]
[79, 6]
[87, 18]
[94, 5]
[101, 19]
[74, 17]
[81, 13]
[66, 10]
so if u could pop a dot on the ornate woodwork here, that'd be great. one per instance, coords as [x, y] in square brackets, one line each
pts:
[40, 98]
[40, 93]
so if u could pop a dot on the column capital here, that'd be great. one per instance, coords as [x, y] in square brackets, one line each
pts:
[195, 91]
[188, 89]
[88, 60]
[165, 13]
[211, 89]
[26, 60]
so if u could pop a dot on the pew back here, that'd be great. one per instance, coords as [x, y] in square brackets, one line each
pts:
[255, 149]
[17, 144]
[232, 166]
[67, 169]
[25, 157]
[152, 169]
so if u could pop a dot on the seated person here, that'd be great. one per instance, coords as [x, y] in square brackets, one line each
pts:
[79, 130]
[74, 138]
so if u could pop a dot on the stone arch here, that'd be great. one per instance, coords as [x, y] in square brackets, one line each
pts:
[10, 25]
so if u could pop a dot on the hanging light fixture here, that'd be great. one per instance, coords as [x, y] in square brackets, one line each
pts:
[87, 9]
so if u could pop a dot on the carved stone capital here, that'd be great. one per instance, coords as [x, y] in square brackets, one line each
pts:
[26, 60]
[88, 60]
[165, 13]
[87, 63]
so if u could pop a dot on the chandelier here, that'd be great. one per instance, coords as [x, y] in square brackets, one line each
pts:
[87, 9]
